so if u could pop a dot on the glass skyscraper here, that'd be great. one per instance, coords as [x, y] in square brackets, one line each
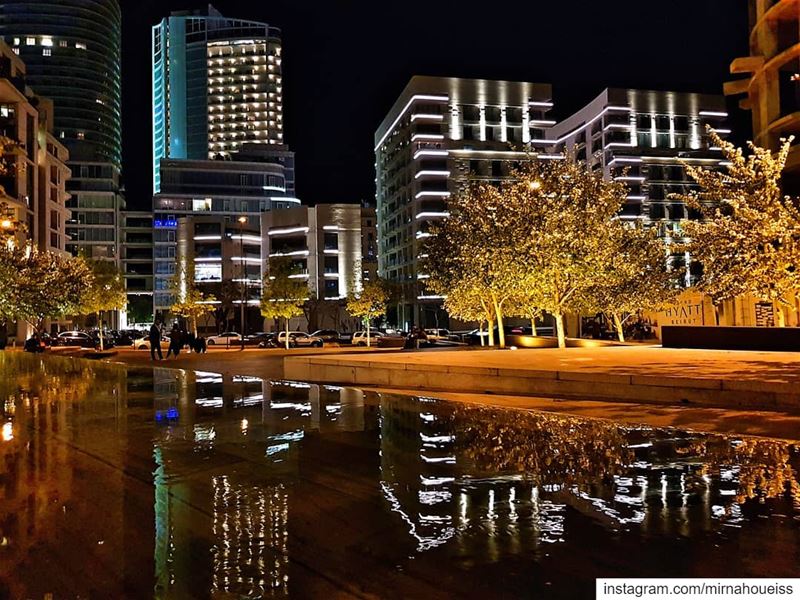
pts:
[72, 50]
[217, 85]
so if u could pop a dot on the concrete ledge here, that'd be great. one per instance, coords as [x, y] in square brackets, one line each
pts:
[583, 384]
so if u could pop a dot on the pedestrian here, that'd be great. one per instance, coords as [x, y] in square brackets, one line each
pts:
[191, 341]
[175, 341]
[201, 345]
[155, 341]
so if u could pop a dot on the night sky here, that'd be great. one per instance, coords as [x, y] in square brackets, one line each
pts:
[345, 62]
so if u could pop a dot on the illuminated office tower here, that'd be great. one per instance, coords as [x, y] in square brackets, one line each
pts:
[217, 85]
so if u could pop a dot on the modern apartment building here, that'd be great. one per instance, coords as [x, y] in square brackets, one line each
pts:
[369, 243]
[772, 78]
[643, 138]
[440, 132]
[35, 172]
[224, 251]
[222, 189]
[217, 85]
[324, 242]
[72, 49]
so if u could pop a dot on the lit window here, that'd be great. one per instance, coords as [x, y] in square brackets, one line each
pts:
[30, 41]
[47, 42]
[81, 135]
[62, 43]
[47, 52]
[16, 41]
[80, 46]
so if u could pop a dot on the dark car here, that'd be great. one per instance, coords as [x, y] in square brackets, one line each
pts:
[256, 339]
[78, 339]
[34, 344]
[328, 335]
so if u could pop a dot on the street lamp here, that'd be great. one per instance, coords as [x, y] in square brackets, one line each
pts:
[242, 221]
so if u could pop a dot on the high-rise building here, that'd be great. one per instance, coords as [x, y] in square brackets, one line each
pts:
[217, 85]
[772, 85]
[440, 132]
[136, 238]
[225, 189]
[73, 52]
[644, 138]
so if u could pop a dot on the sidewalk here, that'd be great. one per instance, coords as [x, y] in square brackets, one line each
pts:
[638, 374]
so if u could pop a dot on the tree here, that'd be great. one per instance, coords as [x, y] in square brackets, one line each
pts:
[471, 305]
[635, 278]
[748, 237]
[106, 291]
[283, 294]
[472, 252]
[40, 285]
[191, 304]
[369, 303]
[227, 293]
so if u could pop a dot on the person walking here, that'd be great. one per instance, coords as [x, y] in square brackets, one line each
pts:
[155, 341]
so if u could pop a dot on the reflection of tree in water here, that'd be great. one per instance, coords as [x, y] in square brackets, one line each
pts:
[562, 450]
[551, 449]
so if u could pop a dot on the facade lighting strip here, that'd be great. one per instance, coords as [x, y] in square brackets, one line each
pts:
[288, 231]
[414, 98]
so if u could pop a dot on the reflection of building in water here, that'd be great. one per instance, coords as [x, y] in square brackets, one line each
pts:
[207, 417]
[250, 532]
[494, 482]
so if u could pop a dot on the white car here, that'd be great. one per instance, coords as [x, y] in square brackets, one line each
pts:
[144, 343]
[360, 338]
[229, 338]
[438, 335]
[297, 339]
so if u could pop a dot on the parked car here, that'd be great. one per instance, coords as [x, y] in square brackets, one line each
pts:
[79, 339]
[298, 339]
[329, 336]
[34, 344]
[360, 337]
[438, 335]
[268, 340]
[229, 338]
[255, 339]
[143, 343]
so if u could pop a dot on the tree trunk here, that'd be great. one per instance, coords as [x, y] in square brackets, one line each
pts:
[780, 318]
[490, 324]
[100, 328]
[533, 326]
[286, 324]
[480, 333]
[368, 334]
[618, 326]
[716, 314]
[562, 338]
[500, 332]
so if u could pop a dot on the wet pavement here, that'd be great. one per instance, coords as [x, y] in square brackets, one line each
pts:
[138, 483]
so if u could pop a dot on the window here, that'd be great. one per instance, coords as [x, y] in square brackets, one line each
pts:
[62, 44]
[47, 52]
[30, 41]
[80, 46]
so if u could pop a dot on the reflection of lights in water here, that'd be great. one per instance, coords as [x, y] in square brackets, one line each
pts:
[249, 400]
[206, 377]
[449, 460]
[333, 388]
[8, 431]
[437, 439]
[424, 542]
[210, 402]
[204, 433]
[276, 448]
[491, 512]
[433, 497]
[292, 384]
[250, 527]
[512, 507]
[291, 436]
[246, 379]
[299, 406]
[435, 480]
[427, 417]
[245, 424]
[463, 503]
[333, 409]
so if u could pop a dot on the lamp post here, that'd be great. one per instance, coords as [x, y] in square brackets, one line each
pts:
[242, 221]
